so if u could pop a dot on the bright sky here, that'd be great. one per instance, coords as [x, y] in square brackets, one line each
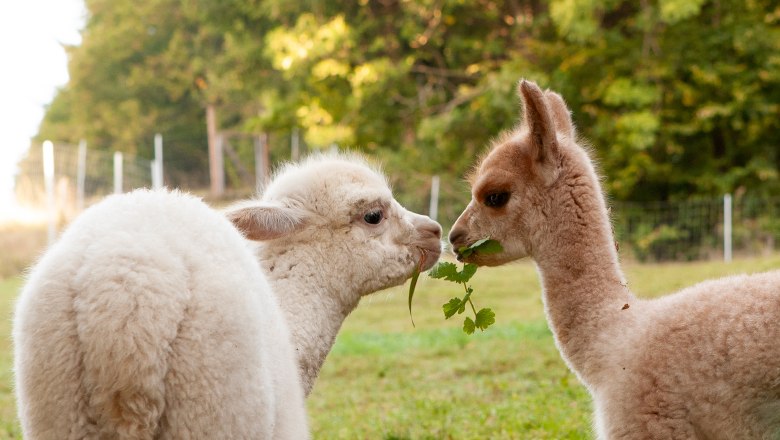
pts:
[33, 65]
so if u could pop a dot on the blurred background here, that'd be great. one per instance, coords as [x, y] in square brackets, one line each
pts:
[678, 98]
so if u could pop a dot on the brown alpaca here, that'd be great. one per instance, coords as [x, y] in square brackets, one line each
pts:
[703, 363]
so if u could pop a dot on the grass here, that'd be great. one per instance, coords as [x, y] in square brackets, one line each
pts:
[19, 245]
[385, 379]
[9, 428]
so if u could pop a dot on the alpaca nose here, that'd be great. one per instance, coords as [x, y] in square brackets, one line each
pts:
[430, 227]
[456, 236]
[426, 227]
[435, 230]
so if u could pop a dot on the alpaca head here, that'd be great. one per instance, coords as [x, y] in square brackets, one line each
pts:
[522, 183]
[339, 213]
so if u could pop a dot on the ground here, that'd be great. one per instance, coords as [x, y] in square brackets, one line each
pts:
[388, 380]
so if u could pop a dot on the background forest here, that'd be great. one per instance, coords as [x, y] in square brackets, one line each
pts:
[679, 98]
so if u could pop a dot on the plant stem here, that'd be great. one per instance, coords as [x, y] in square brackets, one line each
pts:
[470, 303]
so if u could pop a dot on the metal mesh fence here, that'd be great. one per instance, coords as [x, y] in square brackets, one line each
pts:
[650, 231]
[98, 179]
[694, 229]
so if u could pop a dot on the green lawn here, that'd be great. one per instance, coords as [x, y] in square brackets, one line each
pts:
[388, 380]
[9, 428]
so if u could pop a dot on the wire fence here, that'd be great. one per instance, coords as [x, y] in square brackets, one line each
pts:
[697, 229]
[72, 193]
[647, 232]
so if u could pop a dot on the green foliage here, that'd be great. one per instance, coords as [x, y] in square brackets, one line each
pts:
[449, 272]
[456, 305]
[673, 11]
[678, 97]
[485, 246]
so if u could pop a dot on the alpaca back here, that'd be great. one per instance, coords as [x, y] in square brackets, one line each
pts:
[151, 319]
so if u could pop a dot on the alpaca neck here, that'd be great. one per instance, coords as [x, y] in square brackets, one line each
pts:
[313, 307]
[584, 289]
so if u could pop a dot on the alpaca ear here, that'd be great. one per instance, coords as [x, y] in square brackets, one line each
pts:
[560, 114]
[264, 221]
[538, 119]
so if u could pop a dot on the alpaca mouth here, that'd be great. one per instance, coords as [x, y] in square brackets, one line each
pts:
[428, 257]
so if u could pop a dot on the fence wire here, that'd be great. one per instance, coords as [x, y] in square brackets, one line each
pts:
[649, 231]
[98, 177]
[694, 229]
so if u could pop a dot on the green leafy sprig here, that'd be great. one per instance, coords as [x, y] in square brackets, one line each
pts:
[447, 271]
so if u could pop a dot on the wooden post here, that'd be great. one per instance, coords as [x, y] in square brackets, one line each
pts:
[216, 167]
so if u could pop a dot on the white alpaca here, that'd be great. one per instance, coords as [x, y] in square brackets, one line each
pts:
[703, 363]
[151, 317]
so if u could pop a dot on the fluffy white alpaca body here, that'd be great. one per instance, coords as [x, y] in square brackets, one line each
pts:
[703, 363]
[151, 317]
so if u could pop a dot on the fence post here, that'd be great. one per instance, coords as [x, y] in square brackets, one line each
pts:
[157, 163]
[117, 172]
[48, 182]
[433, 210]
[81, 177]
[295, 145]
[727, 216]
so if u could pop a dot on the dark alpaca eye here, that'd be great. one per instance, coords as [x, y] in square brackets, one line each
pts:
[373, 217]
[497, 200]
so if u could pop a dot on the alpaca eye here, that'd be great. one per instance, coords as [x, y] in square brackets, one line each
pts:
[497, 200]
[373, 217]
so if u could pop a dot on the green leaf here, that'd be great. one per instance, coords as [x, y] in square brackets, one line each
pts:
[444, 270]
[484, 319]
[451, 307]
[449, 272]
[464, 251]
[412, 286]
[468, 326]
[479, 243]
[468, 271]
[489, 247]
[484, 246]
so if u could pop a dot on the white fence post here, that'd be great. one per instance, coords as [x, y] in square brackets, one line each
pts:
[433, 210]
[81, 175]
[117, 172]
[727, 216]
[48, 181]
[157, 163]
